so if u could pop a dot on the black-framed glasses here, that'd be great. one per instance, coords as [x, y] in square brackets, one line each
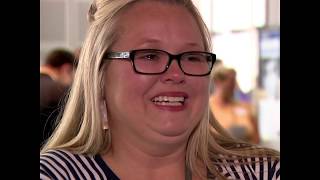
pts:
[154, 61]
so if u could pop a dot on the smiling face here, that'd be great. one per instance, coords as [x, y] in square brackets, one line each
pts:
[155, 108]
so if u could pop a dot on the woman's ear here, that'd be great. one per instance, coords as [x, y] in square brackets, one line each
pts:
[104, 114]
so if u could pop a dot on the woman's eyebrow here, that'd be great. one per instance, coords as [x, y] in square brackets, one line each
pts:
[154, 41]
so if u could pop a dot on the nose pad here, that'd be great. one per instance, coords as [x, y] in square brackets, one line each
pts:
[173, 74]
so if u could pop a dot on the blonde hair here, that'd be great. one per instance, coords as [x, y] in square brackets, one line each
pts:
[80, 128]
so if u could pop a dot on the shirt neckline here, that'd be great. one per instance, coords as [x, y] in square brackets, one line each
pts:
[106, 169]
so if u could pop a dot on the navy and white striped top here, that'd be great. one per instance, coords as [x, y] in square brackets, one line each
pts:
[61, 164]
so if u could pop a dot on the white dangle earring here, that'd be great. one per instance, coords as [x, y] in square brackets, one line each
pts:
[104, 113]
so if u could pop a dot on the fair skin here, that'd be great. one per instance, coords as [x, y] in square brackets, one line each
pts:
[63, 74]
[148, 140]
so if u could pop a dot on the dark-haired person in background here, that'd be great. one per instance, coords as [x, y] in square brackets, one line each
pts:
[56, 75]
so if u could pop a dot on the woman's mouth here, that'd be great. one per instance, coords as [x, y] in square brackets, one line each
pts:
[169, 100]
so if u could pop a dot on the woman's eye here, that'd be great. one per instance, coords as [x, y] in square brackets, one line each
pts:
[150, 56]
[194, 59]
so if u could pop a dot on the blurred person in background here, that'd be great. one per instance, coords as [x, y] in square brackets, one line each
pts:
[235, 115]
[217, 65]
[56, 76]
[239, 95]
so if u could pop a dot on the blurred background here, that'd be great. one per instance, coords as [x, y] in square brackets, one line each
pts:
[245, 36]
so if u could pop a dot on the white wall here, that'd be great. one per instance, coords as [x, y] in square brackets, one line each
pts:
[62, 24]
[240, 51]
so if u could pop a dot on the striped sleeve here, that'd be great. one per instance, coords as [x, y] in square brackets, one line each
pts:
[60, 164]
[253, 168]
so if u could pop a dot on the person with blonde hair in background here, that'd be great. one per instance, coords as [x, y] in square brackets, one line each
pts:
[234, 115]
[138, 107]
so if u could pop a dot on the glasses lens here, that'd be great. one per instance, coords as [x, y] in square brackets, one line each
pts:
[196, 63]
[150, 61]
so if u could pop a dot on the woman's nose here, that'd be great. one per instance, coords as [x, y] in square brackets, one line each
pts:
[173, 74]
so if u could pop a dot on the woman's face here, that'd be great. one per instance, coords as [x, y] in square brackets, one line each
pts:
[130, 96]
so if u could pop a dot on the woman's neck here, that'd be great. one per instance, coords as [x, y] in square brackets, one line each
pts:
[133, 158]
[132, 162]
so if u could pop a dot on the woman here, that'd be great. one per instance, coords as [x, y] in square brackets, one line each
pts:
[138, 108]
[235, 116]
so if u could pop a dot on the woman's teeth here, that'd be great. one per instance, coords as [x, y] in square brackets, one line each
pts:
[168, 101]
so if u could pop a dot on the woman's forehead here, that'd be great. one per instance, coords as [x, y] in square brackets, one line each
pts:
[150, 24]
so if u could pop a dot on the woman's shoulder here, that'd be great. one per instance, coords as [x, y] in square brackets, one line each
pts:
[249, 168]
[62, 156]
[63, 164]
